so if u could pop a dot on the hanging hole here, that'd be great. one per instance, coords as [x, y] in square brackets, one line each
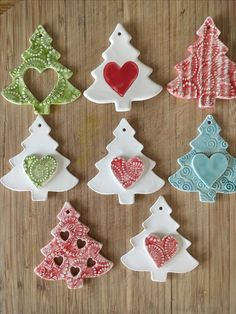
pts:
[208, 27]
[160, 208]
[74, 271]
[40, 35]
[39, 125]
[67, 211]
[119, 34]
[124, 130]
[64, 235]
[209, 122]
[90, 262]
[58, 260]
[80, 243]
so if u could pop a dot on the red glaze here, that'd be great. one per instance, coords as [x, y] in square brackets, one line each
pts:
[161, 250]
[207, 73]
[72, 255]
[127, 172]
[120, 78]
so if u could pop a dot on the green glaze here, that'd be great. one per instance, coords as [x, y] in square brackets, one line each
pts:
[40, 170]
[41, 56]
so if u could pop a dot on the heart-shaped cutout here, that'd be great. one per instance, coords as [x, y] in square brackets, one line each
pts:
[58, 260]
[40, 84]
[209, 169]
[161, 250]
[80, 243]
[90, 262]
[120, 78]
[74, 271]
[64, 235]
[40, 170]
[127, 172]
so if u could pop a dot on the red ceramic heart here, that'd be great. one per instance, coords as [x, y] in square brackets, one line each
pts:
[161, 250]
[120, 78]
[127, 172]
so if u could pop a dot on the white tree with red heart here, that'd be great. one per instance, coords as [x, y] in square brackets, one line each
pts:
[122, 77]
[125, 171]
[159, 248]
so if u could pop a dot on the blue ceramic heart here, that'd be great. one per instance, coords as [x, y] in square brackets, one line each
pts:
[209, 169]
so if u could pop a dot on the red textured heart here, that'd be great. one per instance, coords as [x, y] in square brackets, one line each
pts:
[127, 172]
[120, 78]
[161, 250]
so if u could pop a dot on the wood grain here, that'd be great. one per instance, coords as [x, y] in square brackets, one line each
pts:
[6, 4]
[162, 30]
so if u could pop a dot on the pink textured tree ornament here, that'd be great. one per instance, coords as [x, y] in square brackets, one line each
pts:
[207, 73]
[72, 255]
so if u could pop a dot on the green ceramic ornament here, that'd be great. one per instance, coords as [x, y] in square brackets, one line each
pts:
[40, 170]
[41, 56]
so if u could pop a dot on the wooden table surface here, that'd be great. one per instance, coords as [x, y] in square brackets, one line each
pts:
[162, 30]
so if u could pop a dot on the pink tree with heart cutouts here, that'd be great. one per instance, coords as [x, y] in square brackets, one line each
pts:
[207, 73]
[125, 170]
[72, 255]
[159, 248]
[122, 77]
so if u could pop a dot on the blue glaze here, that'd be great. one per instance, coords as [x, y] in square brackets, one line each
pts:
[209, 169]
[191, 178]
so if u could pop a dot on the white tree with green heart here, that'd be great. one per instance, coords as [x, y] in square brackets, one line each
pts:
[39, 168]
[208, 168]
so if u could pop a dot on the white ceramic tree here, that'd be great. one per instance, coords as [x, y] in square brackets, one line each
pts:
[121, 78]
[39, 144]
[126, 146]
[160, 225]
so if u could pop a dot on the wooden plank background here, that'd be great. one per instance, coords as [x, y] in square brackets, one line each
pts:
[162, 30]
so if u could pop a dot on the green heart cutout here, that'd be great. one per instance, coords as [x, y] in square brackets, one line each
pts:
[209, 169]
[40, 170]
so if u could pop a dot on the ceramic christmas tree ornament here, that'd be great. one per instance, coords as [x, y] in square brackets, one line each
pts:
[121, 78]
[125, 171]
[72, 255]
[159, 248]
[207, 73]
[41, 56]
[39, 168]
[208, 168]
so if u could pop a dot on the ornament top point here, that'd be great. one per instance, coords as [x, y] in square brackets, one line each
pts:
[124, 127]
[208, 24]
[67, 211]
[39, 124]
[40, 34]
[119, 33]
[161, 206]
[209, 121]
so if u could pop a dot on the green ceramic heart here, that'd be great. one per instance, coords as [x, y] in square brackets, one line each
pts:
[209, 169]
[40, 170]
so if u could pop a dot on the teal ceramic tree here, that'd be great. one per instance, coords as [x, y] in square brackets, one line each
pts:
[208, 168]
[41, 56]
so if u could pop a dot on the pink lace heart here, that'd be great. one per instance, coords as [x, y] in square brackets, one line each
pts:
[127, 172]
[161, 250]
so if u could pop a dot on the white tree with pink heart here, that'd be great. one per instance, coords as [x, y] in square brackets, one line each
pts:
[159, 248]
[125, 171]
[122, 77]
